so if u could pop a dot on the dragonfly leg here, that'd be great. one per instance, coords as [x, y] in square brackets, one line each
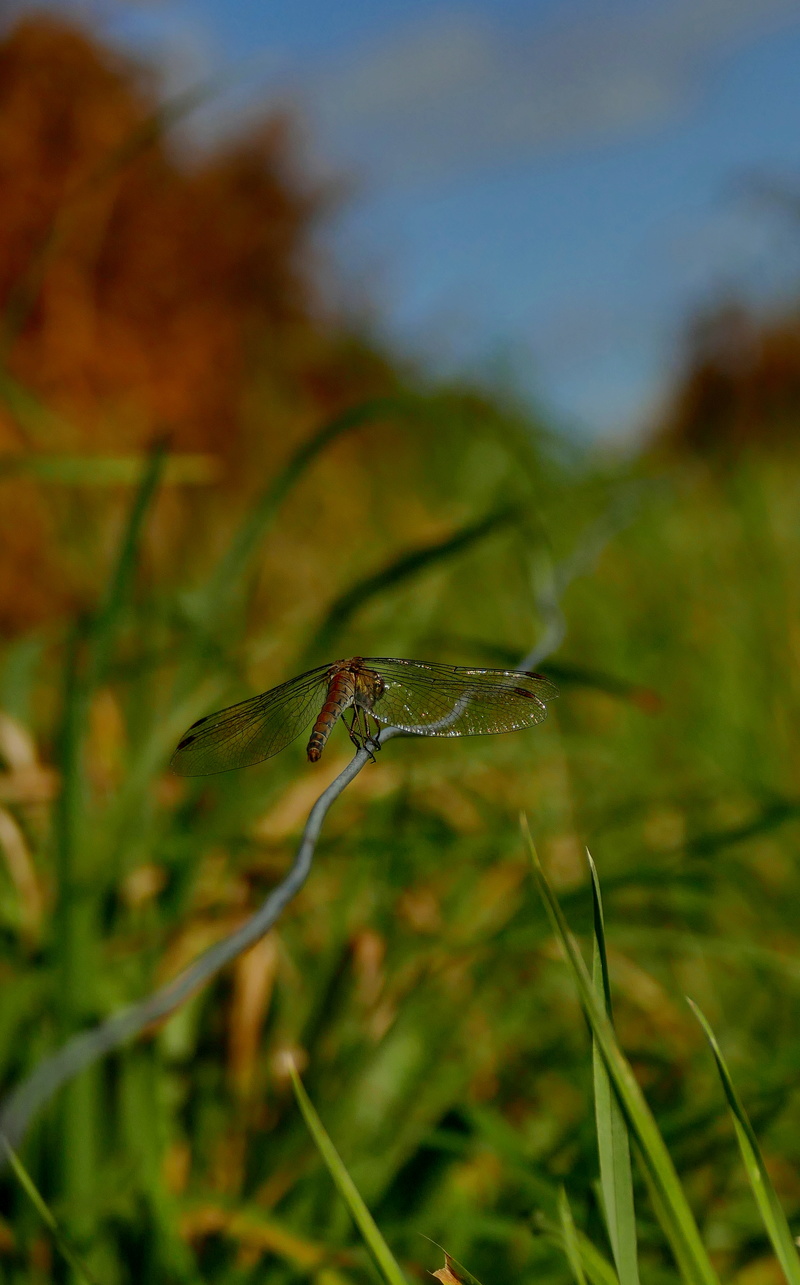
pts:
[372, 738]
[367, 739]
[359, 732]
[351, 728]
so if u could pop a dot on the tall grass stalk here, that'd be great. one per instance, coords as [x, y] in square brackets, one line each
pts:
[384, 1259]
[675, 1215]
[80, 1271]
[774, 1219]
[616, 1179]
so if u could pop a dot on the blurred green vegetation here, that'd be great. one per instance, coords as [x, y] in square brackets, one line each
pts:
[340, 506]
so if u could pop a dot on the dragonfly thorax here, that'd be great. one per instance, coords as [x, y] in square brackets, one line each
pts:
[351, 683]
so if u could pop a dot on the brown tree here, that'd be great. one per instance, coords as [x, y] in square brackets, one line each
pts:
[140, 293]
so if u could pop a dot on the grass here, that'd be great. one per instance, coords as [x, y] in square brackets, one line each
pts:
[620, 1114]
[79, 1268]
[665, 1189]
[784, 1244]
[414, 981]
[381, 1254]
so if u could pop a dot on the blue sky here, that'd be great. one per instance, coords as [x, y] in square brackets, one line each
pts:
[551, 187]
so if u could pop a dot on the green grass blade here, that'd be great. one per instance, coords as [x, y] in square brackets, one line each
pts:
[363, 1219]
[37, 1200]
[682, 1259]
[76, 921]
[570, 1234]
[75, 940]
[403, 568]
[616, 1179]
[260, 518]
[677, 1219]
[70, 938]
[186, 469]
[597, 1269]
[122, 576]
[763, 1190]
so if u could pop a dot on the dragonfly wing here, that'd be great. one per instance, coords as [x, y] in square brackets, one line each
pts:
[253, 730]
[451, 700]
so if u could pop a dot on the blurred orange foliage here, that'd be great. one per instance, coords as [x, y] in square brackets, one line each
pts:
[740, 387]
[141, 294]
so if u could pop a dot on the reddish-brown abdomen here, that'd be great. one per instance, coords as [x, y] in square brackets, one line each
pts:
[340, 694]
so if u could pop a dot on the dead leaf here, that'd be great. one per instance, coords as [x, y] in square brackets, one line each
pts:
[253, 979]
[445, 1275]
[23, 875]
[452, 1273]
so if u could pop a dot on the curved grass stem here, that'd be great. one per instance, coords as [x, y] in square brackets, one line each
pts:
[82, 1050]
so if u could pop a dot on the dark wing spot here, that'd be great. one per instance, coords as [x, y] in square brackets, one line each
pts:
[187, 740]
[520, 691]
[531, 673]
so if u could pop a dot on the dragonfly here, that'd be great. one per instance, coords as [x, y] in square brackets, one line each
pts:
[367, 693]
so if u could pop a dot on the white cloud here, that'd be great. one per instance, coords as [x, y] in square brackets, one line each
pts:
[456, 91]
[460, 87]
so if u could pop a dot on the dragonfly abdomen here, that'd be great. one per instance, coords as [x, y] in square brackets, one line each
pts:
[340, 696]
